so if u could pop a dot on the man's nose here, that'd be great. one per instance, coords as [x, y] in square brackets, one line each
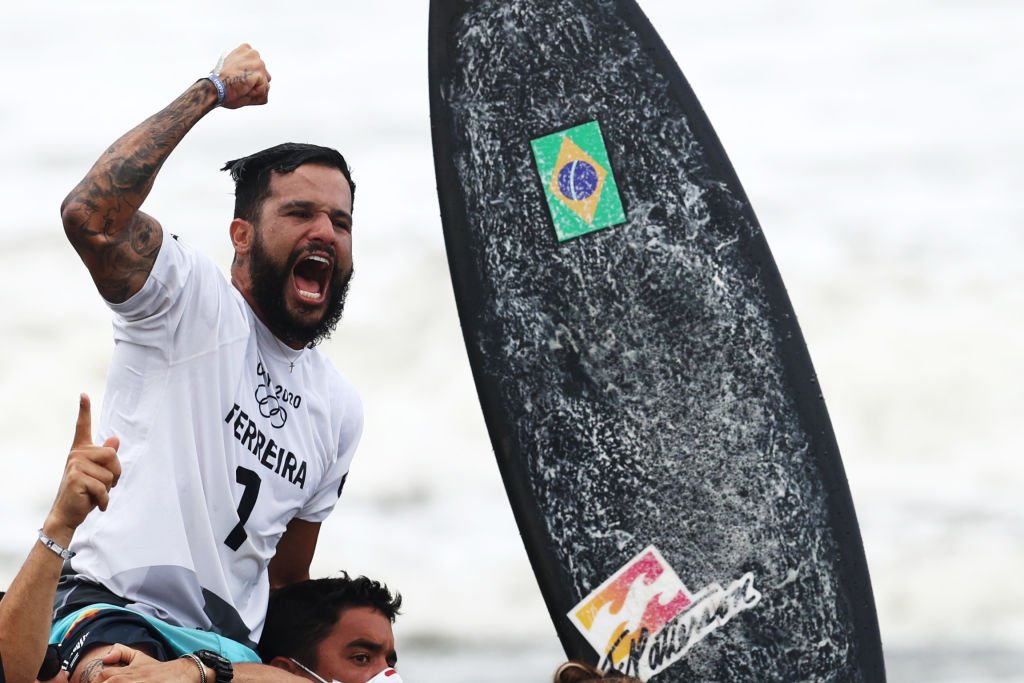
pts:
[323, 228]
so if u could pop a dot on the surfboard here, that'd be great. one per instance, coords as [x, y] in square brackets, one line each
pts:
[649, 397]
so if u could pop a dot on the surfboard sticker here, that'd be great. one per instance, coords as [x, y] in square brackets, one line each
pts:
[644, 618]
[578, 181]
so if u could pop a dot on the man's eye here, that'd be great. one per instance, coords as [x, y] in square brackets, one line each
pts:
[361, 659]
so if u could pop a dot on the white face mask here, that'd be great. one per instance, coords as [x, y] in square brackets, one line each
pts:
[388, 675]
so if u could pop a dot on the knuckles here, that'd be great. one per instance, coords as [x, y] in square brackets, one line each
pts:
[80, 464]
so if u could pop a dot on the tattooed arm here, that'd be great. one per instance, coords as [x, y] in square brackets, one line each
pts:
[101, 216]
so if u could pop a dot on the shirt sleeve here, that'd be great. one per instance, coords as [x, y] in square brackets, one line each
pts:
[184, 290]
[323, 500]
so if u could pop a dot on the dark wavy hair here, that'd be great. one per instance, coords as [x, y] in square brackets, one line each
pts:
[579, 672]
[302, 614]
[252, 173]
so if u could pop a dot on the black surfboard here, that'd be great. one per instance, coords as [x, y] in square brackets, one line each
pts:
[649, 397]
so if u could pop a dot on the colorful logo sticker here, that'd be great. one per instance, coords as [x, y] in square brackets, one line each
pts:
[577, 178]
[643, 618]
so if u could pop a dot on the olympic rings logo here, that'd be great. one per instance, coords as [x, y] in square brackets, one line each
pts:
[274, 399]
[270, 407]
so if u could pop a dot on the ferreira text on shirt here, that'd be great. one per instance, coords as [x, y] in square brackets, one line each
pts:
[269, 453]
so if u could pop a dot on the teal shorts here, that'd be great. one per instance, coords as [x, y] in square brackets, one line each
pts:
[180, 639]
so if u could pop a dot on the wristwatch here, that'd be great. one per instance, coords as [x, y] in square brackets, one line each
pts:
[221, 667]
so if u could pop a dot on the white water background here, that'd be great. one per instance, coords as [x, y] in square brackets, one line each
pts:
[881, 144]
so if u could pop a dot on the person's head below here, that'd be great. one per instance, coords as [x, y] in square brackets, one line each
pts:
[292, 235]
[578, 672]
[334, 629]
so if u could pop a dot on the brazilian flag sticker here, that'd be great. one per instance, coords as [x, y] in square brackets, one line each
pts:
[578, 181]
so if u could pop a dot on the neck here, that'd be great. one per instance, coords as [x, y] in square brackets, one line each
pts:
[284, 341]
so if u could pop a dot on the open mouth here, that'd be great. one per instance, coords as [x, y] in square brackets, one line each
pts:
[311, 275]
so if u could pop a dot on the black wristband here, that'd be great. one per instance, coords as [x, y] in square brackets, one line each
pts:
[221, 667]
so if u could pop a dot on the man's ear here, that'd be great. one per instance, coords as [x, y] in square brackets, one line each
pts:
[241, 232]
[286, 664]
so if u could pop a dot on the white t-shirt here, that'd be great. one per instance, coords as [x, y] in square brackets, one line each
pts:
[222, 445]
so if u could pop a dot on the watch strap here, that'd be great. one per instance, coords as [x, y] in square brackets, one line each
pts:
[223, 669]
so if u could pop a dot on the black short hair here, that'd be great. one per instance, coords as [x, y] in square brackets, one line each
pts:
[300, 615]
[252, 173]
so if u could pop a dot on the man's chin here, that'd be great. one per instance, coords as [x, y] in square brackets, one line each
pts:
[302, 325]
[301, 310]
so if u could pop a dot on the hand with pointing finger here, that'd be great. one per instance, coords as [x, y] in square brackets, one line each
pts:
[91, 471]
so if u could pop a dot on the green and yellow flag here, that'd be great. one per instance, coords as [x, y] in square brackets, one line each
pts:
[578, 181]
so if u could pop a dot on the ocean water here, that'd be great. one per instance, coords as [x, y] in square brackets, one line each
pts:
[880, 144]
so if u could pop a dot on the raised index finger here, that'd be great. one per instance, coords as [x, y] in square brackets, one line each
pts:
[83, 427]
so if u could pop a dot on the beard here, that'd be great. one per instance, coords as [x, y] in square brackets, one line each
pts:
[269, 280]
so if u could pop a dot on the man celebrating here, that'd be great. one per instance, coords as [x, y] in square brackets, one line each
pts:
[238, 434]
